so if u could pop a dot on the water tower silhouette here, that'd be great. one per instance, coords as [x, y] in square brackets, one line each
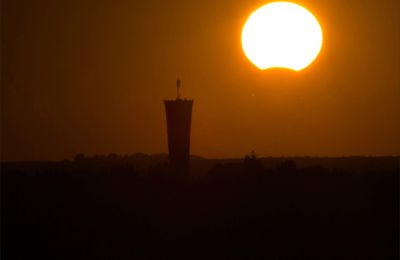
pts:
[179, 117]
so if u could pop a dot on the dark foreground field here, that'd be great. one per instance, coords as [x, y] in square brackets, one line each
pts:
[238, 209]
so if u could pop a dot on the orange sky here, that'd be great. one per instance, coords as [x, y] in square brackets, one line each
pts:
[90, 76]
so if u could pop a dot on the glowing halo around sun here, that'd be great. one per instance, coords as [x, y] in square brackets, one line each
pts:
[281, 35]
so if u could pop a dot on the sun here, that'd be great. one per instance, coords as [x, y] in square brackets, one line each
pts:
[281, 35]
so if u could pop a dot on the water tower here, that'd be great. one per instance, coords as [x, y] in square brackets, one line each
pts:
[179, 117]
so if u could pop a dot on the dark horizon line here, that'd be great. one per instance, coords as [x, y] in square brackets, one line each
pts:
[205, 158]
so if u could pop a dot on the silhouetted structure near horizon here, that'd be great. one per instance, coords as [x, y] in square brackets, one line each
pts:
[179, 116]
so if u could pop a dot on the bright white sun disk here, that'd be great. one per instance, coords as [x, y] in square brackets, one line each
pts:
[281, 34]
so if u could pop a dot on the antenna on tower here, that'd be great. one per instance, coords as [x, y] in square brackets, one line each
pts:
[178, 86]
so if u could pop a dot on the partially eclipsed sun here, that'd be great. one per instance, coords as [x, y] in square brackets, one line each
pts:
[283, 35]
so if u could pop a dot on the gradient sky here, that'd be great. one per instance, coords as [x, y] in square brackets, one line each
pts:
[90, 76]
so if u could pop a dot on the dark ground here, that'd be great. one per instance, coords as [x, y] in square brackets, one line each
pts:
[105, 208]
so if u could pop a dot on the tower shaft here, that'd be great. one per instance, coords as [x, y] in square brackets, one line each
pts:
[179, 116]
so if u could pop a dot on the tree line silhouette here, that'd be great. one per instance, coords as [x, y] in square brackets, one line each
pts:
[103, 207]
